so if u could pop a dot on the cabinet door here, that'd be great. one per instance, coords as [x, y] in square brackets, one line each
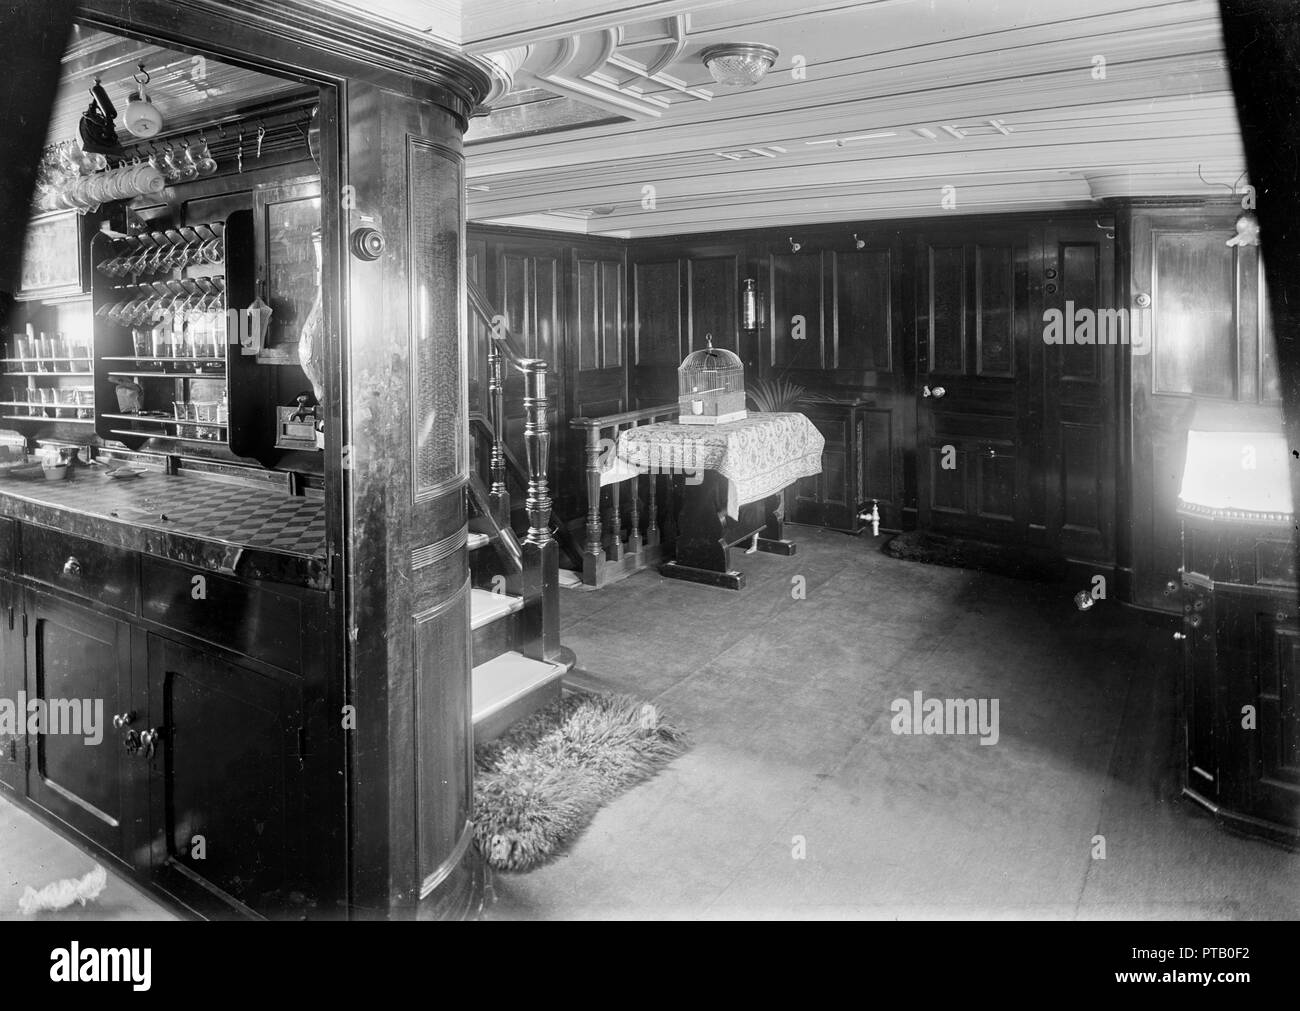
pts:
[831, 497]
[284, 218]
[13, 743]
[79, 672]
[225, 790]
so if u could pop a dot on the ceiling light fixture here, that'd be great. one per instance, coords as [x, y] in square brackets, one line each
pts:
[738, 64]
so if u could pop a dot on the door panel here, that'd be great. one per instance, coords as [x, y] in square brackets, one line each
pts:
[1077, 402]
[225, 791]
[75, 655]
[976, 328]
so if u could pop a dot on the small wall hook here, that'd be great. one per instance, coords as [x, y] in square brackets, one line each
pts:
[794, 246]
[858, 243]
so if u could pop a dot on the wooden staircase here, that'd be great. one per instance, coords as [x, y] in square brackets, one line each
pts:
[518, 661]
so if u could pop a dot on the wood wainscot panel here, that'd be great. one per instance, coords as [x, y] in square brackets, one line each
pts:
[657, 338]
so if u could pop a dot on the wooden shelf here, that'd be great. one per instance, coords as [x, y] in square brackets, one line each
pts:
[61, 421]
[72, 375]
[146, 374]
[137, 433]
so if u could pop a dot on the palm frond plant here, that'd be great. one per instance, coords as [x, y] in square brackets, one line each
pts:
[776, 396]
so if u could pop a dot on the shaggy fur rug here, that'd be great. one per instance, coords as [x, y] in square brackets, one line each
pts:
[539, 786]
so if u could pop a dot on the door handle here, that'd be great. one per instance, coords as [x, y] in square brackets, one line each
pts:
[937, 392]
[72, 567]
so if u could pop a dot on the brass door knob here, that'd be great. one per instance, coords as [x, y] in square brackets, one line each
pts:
[148, 740]
[72, 567]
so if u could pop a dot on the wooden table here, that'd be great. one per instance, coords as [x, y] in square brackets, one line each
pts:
[728, 480]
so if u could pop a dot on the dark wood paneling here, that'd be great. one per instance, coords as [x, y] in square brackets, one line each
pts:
[798, 316]
[714, 294]
[863, 324]
[945, 287]
[657, 339]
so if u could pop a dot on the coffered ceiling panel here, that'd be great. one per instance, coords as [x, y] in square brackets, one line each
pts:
[871, 111]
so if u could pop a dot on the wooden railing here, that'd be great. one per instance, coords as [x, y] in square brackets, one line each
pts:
[605, 554]
[539, 578]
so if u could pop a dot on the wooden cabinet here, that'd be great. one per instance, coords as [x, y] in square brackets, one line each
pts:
[189, 763]
[79, 670]
[834, 497]
[1241, 694]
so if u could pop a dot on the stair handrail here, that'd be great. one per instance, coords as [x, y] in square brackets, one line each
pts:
[593, 550]
[540, 552]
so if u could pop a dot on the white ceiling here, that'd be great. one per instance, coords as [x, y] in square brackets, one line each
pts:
[998, 99]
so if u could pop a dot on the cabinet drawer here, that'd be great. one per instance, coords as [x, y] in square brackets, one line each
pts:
[81, 567]
[248, 618]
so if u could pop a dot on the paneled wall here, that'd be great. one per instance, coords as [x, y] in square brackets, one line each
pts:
[1074, 448]
[565, 300]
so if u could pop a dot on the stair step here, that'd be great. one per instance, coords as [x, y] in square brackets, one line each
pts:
[508, 688]
[486, 607]
[477, 540]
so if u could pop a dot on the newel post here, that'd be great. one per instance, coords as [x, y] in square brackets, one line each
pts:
[541, 575]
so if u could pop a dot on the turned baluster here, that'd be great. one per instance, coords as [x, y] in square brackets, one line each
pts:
[537, 443]
[498, 495]
[615, 549]
[652, 523]
[593, 552]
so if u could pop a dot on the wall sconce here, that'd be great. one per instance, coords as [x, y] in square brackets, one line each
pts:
[794, 246]
[858, 243]
[751, 306]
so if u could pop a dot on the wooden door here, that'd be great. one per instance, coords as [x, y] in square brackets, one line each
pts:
[225, 790]
[977, 318]
[835, 328]
[1072, 491]
[76, 656]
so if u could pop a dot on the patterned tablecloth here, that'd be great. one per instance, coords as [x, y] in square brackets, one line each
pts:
[758, 456]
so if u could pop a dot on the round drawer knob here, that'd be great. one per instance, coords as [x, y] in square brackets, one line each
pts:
[72, 567]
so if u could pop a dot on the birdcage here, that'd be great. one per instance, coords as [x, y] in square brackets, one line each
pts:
[711, 387]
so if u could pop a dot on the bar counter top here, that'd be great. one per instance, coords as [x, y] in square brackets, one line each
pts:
[238, 529]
